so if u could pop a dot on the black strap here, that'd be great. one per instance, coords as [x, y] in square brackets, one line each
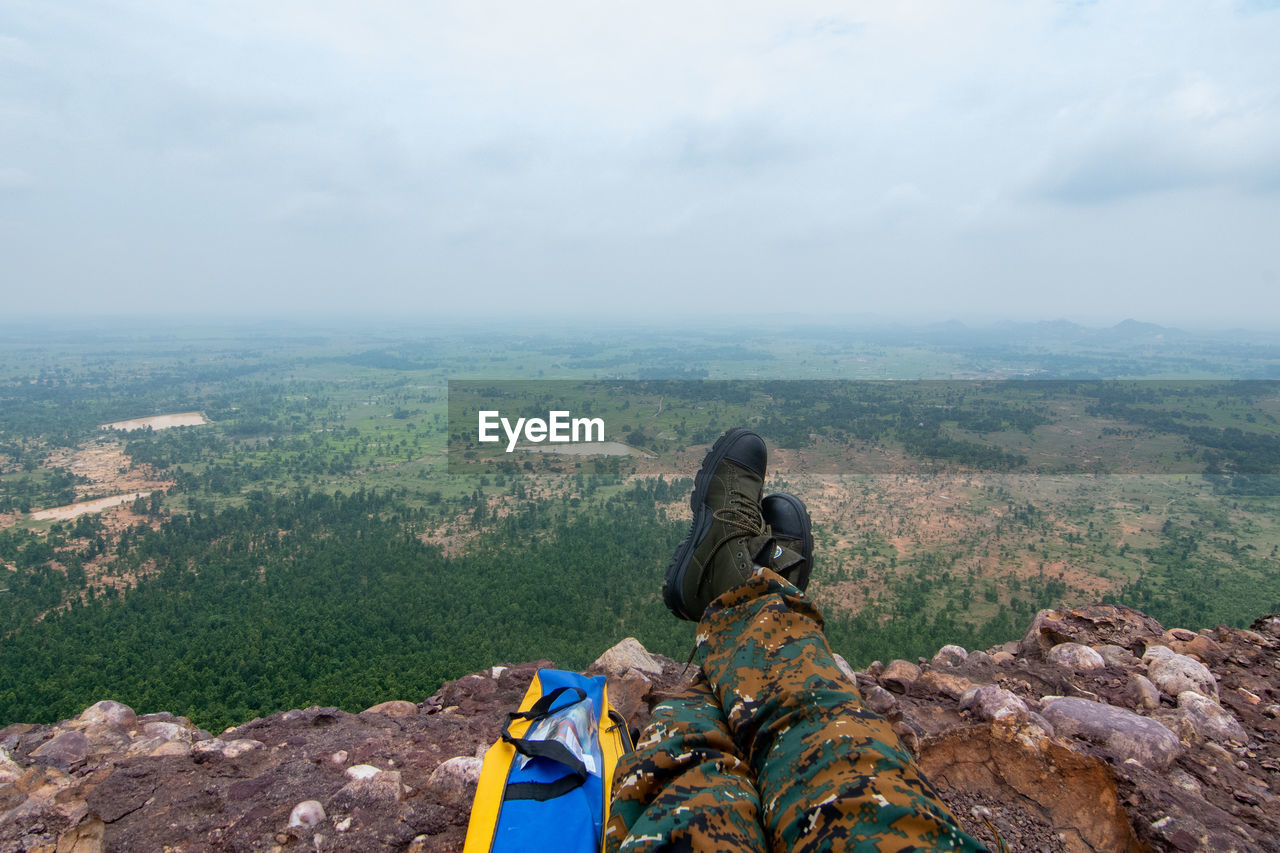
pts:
[542, 791]
[549, 749]
[543, 707]
[619, 722]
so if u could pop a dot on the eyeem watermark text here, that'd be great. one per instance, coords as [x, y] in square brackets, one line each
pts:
[558, 428]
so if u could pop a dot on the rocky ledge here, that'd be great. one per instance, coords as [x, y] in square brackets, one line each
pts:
[1099, 731]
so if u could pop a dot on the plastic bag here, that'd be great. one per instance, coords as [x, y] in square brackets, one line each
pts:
[574, 727]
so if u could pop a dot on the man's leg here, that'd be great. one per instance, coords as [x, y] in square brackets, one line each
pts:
[685, 787]
[831, 774]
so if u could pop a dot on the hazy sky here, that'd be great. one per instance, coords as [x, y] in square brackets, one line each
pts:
[1034, 159]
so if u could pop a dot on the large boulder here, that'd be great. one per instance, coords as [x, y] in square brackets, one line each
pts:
[1121, 732]
[1174, 673]
[1210, 720]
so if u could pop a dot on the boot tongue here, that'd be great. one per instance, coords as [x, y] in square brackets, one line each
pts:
[761, 548]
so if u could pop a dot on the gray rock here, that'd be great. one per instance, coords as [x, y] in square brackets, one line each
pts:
[106, 738]
[1209, 719]
[950, 655]
[66, 748]
[1124, 733]
[1142, 692]
[1076, 657]
[1041, 723]
[109, 712]
[383, 787]
[166, 731]
[1174, 673]
[993, 703]
[394, 708]
[307, 813]
[843, 666]
[626, 655]
[1116, 655]
[456, 778]
[229, 749]
[881, 701]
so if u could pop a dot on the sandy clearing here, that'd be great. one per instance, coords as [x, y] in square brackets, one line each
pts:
[70, 511]
[158, 422]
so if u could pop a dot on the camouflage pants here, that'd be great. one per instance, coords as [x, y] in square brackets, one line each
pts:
[772, 748]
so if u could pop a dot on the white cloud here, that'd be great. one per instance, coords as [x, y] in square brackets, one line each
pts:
[943, 150]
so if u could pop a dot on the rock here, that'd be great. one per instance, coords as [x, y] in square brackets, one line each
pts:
[1184, 781]
[64, 749]
[1142, 692]
[456, 778]
[990, 702]
[1267, 625]
[950, 656]
[394, 708]
[362, 771]
[1092, 625]
[1209, 719]
[1205, 648]
[628, 654]
[228, 749]
[1123, 733]
[110, 713]
[881, 701]
[627, 694]
[899, 675]
[9, 769]
[843, 666]
[1113, 655]
[384, 787]
[1024, 780]
[166, 731]
[948, 684]
[84, 837]
[170, 747]
[1047, 782]
[307, 813]
[1041, 723]
[1076, 657]
[105, 738]
[1174, 673]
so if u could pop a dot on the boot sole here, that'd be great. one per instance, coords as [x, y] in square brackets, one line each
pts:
[673, 586]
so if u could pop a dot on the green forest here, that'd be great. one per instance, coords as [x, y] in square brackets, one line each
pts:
[311, 544]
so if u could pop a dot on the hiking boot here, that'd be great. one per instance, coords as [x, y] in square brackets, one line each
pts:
[792, 555]
[728, 536]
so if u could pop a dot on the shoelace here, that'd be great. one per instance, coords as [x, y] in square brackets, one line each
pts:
[741, 516]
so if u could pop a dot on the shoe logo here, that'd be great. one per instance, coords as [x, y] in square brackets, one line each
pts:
[777, 551]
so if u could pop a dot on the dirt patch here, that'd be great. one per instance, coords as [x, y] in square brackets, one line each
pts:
[70, 511]
[159, 422]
